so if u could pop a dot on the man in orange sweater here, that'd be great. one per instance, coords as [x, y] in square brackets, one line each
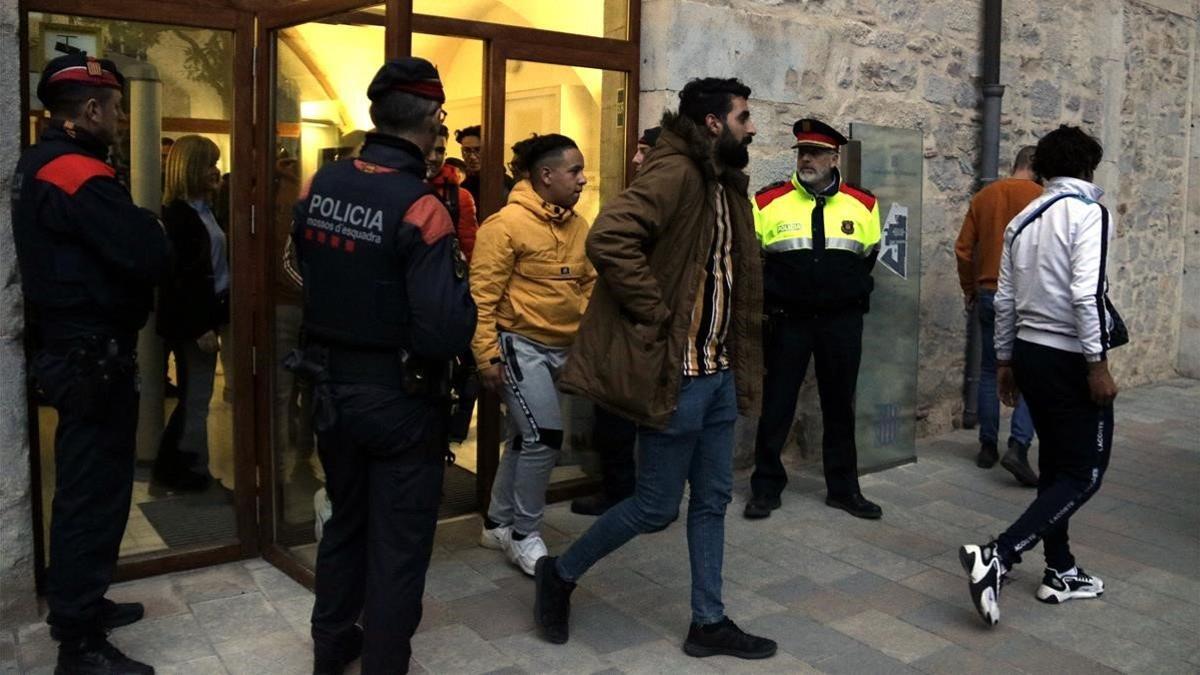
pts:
[978, 250]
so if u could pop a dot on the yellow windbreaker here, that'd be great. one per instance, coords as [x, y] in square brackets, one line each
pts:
[529, 274]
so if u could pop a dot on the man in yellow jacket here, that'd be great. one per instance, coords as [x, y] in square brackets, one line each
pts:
[531, 281]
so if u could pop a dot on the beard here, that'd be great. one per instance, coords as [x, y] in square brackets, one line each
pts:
[731, 152]
[815, 177]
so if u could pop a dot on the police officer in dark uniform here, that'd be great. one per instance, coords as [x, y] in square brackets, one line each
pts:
[386, 309]
[89, 260]
[820, 237]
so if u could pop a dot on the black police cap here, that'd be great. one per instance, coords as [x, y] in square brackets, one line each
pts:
[815, 133]
[411, 75]
[78, 68]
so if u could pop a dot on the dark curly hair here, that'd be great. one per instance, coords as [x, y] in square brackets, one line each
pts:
[531, 153]
[466, 132]
[710, 96]
[1067, 151]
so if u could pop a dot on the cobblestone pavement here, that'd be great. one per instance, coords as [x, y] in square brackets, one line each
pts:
[840, 595]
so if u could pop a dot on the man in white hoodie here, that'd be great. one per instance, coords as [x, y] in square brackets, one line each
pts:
[1054, 328]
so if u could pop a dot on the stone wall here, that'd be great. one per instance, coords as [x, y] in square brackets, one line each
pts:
[17, 602]
[1122, 69]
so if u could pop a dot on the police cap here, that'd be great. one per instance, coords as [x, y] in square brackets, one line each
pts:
[815, 133]
[411, 75]
[78, 68]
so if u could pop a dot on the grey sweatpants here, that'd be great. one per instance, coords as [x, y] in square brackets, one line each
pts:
[535, 421]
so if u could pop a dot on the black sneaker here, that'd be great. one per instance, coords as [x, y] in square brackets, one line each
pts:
[95, 656]
[1016, 462]
[592, 505]
[988, 455]
[334, 659]
[725, 638]
[856, 505]
[112, 615]
[985, 574]
[551, 601]
[761, 507]
[1058, 587]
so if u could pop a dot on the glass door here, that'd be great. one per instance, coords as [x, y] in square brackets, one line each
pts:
[320, 114]
[181, 155]
[588, 104]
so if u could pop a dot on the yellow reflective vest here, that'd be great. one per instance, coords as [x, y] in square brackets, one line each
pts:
[819, 248]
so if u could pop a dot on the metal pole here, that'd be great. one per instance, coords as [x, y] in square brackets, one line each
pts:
[145, 184]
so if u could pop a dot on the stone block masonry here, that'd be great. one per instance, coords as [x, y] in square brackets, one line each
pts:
[1122, 69]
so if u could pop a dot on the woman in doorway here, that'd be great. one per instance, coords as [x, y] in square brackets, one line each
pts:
[193, 307]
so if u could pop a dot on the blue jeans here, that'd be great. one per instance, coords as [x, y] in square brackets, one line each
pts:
[696, 447]
[989, 400]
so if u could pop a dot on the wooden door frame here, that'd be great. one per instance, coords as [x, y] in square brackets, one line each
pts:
[207, 15]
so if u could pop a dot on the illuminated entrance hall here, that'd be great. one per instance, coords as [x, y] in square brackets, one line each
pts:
[280, 90]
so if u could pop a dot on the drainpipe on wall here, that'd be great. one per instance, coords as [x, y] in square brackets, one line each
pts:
[993, 91]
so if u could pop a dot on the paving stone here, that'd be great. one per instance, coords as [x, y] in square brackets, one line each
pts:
[1033, 655]
[607, 629]
[276, 585]
[159, 595]
[801, 637]
[532, 653]
[863, 661]
[889, 597]
[209, 665]
[243, 616]
[813, 600]
[214, 583]
[281, 652]
[492, 615]
[954, 660]
[297, 611]
[660, 656]
[960, 623]
[456, 649]
[899, 640]
[884, 563]
[451, 580]
[165, 640]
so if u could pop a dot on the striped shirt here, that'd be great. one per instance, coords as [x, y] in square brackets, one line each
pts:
[704, 352]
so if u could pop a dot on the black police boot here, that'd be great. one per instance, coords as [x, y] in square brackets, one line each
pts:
[592, 505]
[112, 615]
[1016, 461]
[856, 505]
[551, 601]
[94, 655]
[725, 638]
[761, 507]
[988, 455]
[333, 659]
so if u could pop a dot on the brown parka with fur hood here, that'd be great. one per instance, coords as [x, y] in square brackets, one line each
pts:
[649, 246]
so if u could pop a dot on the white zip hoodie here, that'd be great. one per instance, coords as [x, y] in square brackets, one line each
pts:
[1052, 274]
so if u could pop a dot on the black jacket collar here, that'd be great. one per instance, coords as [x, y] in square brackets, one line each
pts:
[394, 153]
[87, 143]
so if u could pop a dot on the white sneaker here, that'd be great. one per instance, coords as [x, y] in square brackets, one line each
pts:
[525, 553]
[496, 538]
[1058, 587]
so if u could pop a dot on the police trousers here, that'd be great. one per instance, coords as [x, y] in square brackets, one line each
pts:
[834, 342]
[384, 461]
[1075, 443]
[96, 397]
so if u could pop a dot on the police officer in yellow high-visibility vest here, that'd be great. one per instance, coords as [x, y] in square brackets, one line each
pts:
[820, 237]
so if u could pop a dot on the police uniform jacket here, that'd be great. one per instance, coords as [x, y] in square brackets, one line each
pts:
[89, 256]
[819, 247]
[378, 257]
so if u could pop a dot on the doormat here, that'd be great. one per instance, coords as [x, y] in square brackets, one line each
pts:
[184, 520]
[458, 492]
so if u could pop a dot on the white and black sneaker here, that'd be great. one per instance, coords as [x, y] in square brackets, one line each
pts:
[1058, 587]
[985, 574]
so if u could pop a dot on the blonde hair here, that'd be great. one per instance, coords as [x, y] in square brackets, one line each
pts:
[186, 170]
